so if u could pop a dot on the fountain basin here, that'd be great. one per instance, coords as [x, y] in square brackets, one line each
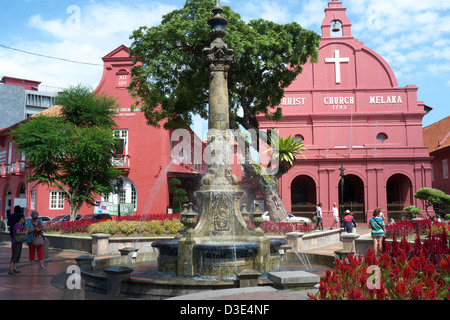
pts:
[217, 259]
[225, 250]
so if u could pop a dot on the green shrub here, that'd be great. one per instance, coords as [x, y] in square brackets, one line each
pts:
[140, 227]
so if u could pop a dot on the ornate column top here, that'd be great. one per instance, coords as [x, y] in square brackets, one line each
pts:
[218, 57]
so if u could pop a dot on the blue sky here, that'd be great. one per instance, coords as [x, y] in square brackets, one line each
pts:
[412, 35]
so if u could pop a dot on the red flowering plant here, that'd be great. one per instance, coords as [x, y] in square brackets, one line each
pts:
[279, 227]
[65, 227]
[401, 272]
[407, 228]
[149, 217]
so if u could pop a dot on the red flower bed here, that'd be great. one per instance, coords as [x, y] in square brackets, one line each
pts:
[402, 272]
[79, 226]
[406, 228]
[278, 227]
[149, 217]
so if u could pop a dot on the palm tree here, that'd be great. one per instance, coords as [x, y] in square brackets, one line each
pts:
[286, 150]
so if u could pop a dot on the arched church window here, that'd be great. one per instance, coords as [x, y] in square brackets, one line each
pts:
[299, 138]
[382, 137]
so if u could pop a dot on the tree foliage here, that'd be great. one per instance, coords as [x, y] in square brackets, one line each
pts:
[72, 151]
[179, 194]
[172, 81]
[431, 197]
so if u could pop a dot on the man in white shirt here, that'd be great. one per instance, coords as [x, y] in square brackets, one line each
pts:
[335, 215]
[319, 223]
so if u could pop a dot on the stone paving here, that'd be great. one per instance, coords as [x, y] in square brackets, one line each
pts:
[35, 284]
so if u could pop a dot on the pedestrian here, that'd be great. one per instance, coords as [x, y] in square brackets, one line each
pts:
[16, 245]
[349, 221]
[35, 225]
[319, 223]
[335, 216]
[12, 220]
[377, 225]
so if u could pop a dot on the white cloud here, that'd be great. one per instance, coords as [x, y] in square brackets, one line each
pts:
[99, 30]
[311, 14]
[409, 34]
[268, 10]
[274, 12]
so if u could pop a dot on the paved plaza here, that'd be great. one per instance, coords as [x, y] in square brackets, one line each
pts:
[35, 284]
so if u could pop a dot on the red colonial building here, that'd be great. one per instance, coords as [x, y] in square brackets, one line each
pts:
[350, 113]
[146, 157]
[437, 138]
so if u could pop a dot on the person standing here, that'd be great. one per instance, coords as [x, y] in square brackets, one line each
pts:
[319, 223]
[16, 246]
[335, 216]
[35, 225]
[12, 220]
[377, 225]
[349, 221]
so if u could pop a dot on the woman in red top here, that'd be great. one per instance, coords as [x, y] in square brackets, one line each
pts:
[35, 225]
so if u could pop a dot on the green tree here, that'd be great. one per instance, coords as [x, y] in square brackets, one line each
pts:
[179, 194]
[431, 197]
[172, 83]
[180, 198]
[72, 151]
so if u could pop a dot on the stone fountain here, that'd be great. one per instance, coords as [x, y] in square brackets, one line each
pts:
[215, 250]
[219, 244]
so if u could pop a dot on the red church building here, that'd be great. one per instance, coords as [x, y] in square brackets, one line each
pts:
[351, 114]
[146, 158]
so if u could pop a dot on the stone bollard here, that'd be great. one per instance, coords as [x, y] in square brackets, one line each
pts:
[295, 240]
[114, 277]
[247, 278]
[100, 242]
[74, 293]
[348, 241]
[85, 262]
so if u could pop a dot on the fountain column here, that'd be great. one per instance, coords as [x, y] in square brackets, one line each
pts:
[220, 244]
[218, 59]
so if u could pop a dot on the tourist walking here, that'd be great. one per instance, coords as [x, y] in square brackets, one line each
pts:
[16, 243]
[319, 223]
[36, 240]
[335, 215]
[349, 221]
[377, 225]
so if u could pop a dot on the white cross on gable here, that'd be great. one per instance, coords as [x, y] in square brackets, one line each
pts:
[337, 63]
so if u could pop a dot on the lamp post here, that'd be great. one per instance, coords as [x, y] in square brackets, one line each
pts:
[118, 189]
[341, 189]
